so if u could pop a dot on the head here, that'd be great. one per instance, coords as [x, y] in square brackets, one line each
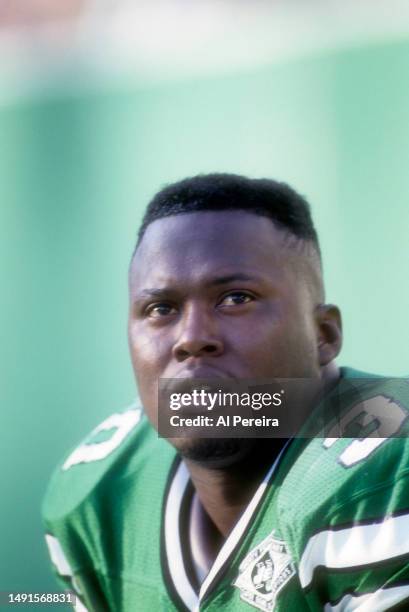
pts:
[226, 282]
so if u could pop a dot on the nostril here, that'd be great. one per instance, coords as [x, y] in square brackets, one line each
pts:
[187, 349]
[210, 349]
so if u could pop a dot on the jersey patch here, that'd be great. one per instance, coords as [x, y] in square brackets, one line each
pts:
[264, 572]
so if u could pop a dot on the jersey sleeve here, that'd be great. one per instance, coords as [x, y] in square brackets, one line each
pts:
[360, 559]
[84, 584]
[345, 506]
[73, 512]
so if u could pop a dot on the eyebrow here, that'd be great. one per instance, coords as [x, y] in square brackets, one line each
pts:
[224, 280]
[214, 282]
[153, 293]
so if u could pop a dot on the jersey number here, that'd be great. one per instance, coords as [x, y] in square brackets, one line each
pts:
[119, 425]
[380, 417]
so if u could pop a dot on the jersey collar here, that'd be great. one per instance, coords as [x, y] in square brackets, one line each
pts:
[177, 563]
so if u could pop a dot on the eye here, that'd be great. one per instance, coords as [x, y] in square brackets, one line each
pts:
[160, 309]
[236, 298]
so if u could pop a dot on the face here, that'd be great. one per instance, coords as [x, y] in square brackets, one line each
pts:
[220, 294]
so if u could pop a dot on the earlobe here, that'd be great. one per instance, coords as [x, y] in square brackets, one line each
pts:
[329, 324]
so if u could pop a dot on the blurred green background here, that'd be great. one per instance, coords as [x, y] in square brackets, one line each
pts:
[76, 171]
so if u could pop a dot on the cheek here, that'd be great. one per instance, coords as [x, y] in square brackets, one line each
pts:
[149, 356]
[145, 362]
[280, 350]
[269, 350]
[259, 348]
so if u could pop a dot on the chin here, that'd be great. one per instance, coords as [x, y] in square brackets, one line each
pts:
[214, 452]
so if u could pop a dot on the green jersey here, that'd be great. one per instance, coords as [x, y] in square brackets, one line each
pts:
[327, 529]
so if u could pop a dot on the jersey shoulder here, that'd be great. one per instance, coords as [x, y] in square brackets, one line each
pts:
[120, 445]
[103, 503]
[358, 468]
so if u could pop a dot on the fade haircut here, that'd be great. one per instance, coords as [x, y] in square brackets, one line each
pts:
[215, 192]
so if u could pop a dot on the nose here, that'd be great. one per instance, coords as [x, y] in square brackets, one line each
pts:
[198, 336]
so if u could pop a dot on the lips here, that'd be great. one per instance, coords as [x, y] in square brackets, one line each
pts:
[203, 372]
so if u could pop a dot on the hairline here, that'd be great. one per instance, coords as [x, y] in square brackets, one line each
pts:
[277, 224]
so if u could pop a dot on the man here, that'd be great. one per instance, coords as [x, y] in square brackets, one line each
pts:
[226, 283]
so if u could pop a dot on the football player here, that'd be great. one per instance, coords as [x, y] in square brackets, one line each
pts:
[226, 283]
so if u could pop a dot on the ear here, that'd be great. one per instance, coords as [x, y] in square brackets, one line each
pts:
[329, 326]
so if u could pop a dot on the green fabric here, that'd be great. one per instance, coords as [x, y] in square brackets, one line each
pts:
[107, 517]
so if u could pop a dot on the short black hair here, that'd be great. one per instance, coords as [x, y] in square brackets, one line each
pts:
[216, 192]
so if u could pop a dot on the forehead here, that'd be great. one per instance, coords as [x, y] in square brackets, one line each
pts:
[197, 246]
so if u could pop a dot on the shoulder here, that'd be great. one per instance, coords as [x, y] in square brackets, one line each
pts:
[122, 443]
[358, 469]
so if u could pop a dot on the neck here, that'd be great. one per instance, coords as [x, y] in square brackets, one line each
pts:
[225, 492]
[330, 376]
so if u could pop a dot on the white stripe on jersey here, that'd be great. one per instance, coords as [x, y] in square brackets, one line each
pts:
[79, 606]
[173, 540]
[355, 546]
[63, 567]
[57, 555]
[380, 600]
